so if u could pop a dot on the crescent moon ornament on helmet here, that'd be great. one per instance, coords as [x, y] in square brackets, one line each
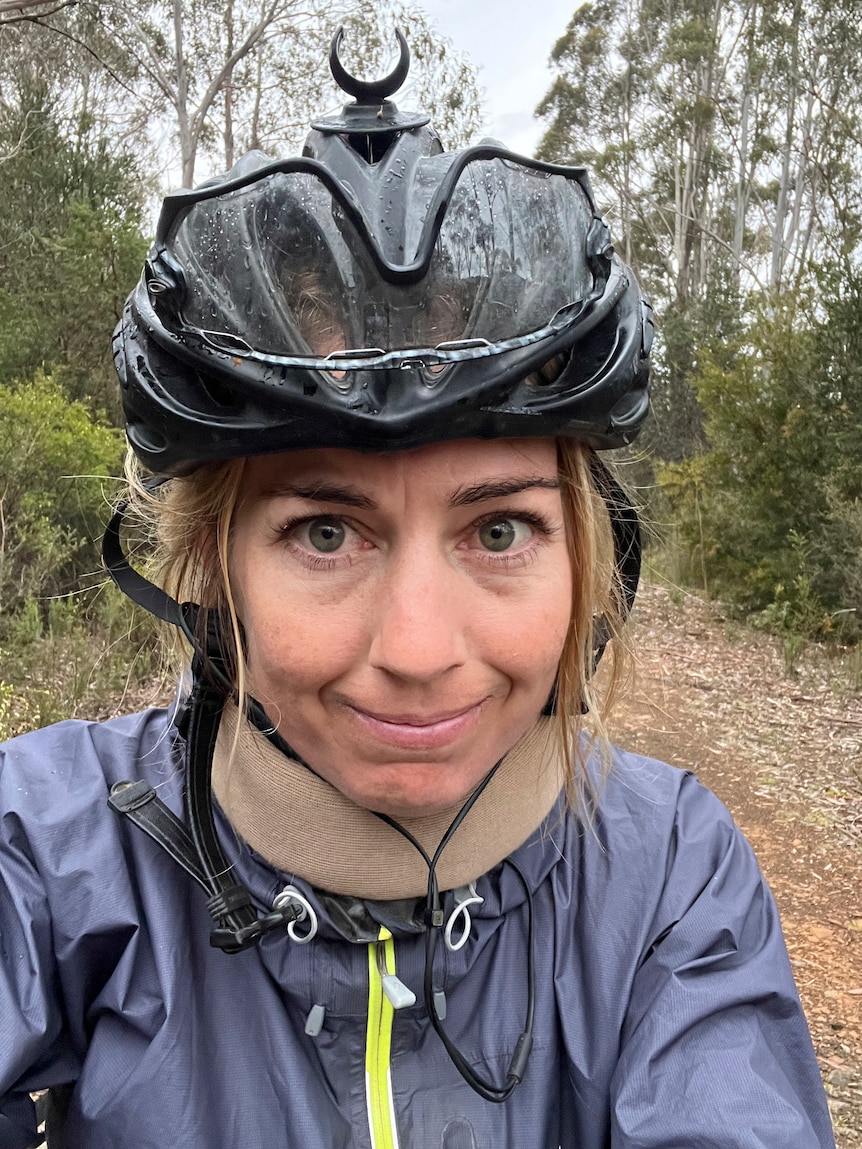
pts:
[379, 293]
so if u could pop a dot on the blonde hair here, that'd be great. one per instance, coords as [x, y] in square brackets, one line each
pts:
[583, 700]
[189, 522]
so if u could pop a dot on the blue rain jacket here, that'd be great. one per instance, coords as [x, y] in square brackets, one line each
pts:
[666, 1017]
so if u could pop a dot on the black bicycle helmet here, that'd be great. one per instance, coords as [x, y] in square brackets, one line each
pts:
[380, 293]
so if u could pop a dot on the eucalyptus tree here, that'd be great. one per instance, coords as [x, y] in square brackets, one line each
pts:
[196, 59]
[213, 78]
[275, 93]
[720, 130]
[71, 245]
[724, 134]
[637, 96]
[269, 97]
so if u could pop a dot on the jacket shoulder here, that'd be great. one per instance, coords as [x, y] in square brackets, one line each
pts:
[643, 804]
[69, 760]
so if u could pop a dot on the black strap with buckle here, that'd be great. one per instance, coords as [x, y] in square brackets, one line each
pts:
[194, 844]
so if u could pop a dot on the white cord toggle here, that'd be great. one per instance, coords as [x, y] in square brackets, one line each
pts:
[465, 896]
[291, 894]
[314, 1021]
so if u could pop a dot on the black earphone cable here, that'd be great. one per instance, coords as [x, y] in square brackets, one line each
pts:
[434, 922]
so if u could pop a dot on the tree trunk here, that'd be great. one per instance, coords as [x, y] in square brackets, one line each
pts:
[779, 239]
[228, 90]
[181, 103]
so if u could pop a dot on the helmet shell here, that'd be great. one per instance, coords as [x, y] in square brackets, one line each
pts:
[379, 293]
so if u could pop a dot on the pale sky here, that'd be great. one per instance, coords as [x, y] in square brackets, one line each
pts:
[511, 41]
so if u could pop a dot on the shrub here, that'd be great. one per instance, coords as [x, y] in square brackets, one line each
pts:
[56, 463]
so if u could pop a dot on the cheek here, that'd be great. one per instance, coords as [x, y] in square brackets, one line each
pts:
[558, 610]
[528, 635]
[293, 642]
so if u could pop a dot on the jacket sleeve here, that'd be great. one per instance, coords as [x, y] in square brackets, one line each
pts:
[716, 1052]
[34, 1052]
[67, 909]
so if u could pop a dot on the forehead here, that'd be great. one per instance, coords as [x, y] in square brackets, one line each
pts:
[441, 465]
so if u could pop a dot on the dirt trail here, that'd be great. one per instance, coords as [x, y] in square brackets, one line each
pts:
[782, 746]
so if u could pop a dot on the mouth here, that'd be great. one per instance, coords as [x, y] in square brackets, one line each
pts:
[413, 731]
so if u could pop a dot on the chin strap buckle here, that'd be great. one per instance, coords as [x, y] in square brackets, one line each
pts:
[234, 941]
[139, 802]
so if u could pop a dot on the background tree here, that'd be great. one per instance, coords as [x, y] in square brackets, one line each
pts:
[718, 137]
[723, 135]
[54, 462]
[217, 78]
[70, 240]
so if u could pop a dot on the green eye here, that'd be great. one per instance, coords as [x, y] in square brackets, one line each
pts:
[325, 535]
[497, 536]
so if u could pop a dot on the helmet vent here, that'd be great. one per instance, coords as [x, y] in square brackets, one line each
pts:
[145, 440]
[550, 371]
[222, 394]
[372, 148]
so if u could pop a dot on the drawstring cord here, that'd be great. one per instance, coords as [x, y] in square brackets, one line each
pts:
[434, 922]
[465, 896]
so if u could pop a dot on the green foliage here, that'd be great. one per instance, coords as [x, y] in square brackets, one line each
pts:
[55, 462]
[69, 641]
[770, 515]
[78, 662]
[15, 714]
[71, 246]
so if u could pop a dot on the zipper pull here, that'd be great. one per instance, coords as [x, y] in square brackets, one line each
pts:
[399, 995]
[396, 991]
[439, 999]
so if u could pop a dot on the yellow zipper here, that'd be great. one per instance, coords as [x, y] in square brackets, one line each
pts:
[378, 1045]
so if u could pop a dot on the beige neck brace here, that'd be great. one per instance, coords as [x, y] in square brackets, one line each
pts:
[305, 827]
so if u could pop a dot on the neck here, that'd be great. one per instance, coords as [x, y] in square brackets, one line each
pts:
[305, 827]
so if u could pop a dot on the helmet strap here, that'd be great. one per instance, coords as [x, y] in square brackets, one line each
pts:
[194, 844]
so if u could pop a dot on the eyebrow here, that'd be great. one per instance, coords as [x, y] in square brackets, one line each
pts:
[463, 497]
[500, 489]
[321, 493]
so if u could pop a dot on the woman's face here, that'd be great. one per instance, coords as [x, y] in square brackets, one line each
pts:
[404, 613]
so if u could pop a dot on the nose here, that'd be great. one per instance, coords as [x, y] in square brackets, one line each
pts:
[420, 632]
